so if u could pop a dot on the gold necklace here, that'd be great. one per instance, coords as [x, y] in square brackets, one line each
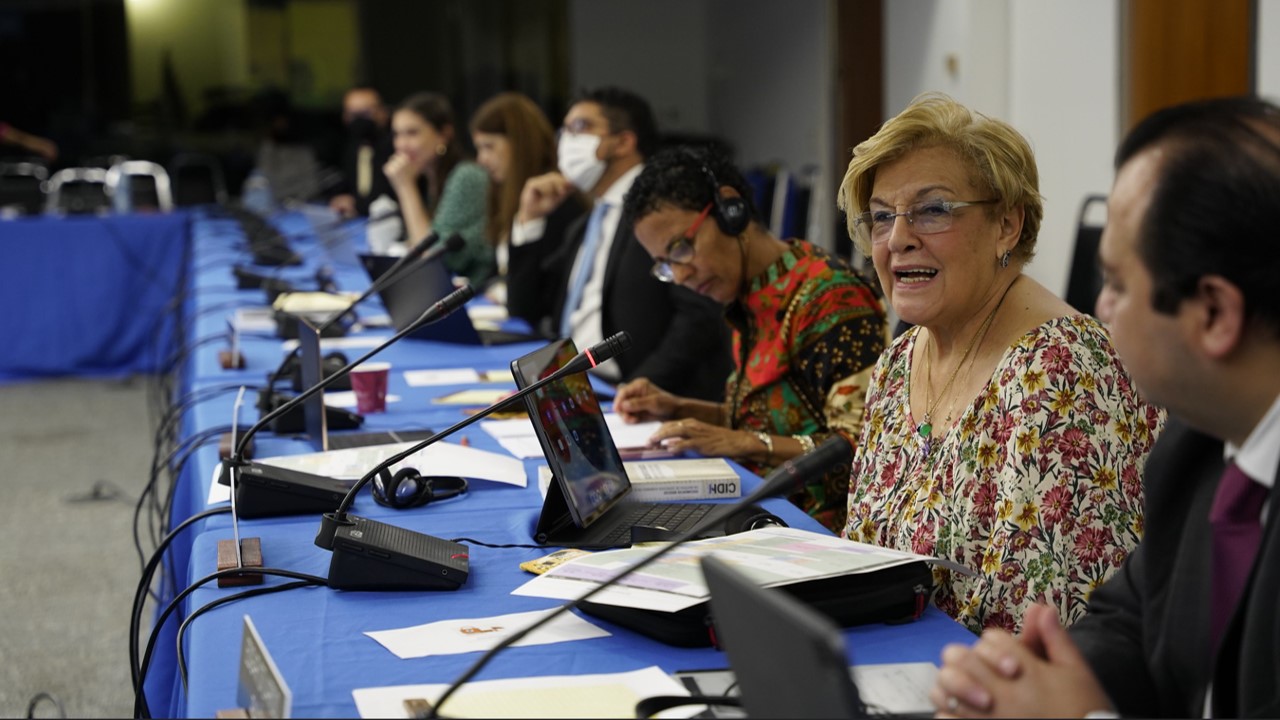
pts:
[925, 428]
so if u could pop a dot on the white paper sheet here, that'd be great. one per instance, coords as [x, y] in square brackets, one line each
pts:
[558, 696]
[442, 458]
[518, 438]
[456, 376]
[486, 312]
[347, 398]
[341, 343]
[769, 556]
[464, 635]
[446, 376]
[897, 687]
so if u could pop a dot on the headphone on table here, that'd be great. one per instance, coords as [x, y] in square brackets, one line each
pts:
[408, 488]
[730, 212]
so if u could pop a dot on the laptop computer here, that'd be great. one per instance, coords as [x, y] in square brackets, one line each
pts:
[316, 417]
[789, 660]
[421, 285]
[586, 503]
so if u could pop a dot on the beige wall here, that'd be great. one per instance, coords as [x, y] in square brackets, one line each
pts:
[309, 48]
[206, 39]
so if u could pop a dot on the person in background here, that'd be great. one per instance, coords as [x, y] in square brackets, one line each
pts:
[1188, 627]
[806, 328]
[597, 282]
[284, 158]
[439, 190]
[367, 149]
[1002, 431]
[45, 148]
[514, 142]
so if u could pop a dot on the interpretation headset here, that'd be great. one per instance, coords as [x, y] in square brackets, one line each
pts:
[409, 489]
[730, 212]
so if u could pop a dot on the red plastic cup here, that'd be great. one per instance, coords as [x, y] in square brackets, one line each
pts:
[369, 381]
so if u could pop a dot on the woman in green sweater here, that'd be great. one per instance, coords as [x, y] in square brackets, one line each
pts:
[439, 189]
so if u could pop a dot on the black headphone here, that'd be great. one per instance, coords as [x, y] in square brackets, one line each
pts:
[730, 212]
[409, 489]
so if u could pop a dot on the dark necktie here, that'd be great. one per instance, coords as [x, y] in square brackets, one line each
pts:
[1237, 528]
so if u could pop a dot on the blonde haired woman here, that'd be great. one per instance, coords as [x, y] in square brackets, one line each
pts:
[1001, 431]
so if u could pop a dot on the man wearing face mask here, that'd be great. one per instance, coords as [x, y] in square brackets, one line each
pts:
[367, 149]
[596, 276]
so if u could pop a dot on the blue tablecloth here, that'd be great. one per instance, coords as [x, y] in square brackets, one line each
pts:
[90, 295]
[317, 635]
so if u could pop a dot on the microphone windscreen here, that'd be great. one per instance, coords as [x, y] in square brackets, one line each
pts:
[610, 347]
[456, 299]
[454, 243]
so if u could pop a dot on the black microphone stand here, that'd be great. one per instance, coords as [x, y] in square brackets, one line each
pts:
[371, 555]
[265, 490]
[778, 482]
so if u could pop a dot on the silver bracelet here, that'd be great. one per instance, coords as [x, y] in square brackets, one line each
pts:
[766, 440]
[806, 443]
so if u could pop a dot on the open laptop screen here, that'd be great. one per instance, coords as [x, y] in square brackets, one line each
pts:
[421, 286]
[575, 439]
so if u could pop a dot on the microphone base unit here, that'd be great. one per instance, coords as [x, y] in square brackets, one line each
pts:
[268, 491]
[293, 421]
[371, 555]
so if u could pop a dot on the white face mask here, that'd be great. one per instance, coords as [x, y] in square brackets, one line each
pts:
[577, 160]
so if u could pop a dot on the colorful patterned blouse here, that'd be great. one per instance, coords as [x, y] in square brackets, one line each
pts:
[1037, 488]
[805, 340]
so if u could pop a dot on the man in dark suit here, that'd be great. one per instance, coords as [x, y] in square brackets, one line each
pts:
[367, 149]
[1190, 625]
[596, 280]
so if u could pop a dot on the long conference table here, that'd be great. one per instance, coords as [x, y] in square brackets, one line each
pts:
[317, 635]
[90, 296]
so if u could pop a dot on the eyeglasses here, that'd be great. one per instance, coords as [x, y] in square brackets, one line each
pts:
[580, 125]
[680, 251]
[926, 218]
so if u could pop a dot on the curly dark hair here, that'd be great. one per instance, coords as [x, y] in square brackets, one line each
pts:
[682, 176]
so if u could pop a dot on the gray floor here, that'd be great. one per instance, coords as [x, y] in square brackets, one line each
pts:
[69, 564]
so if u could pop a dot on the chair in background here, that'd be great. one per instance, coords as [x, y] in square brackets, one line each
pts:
[139, 186]
[22, 187]
[197, 180]
[1085, 281]
[77, 190]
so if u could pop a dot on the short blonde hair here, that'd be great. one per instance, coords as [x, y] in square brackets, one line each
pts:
[999, 158]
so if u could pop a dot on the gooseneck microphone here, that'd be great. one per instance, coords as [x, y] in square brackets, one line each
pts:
[781, 481]
[396, 272]
[264, 490]
[370, 555]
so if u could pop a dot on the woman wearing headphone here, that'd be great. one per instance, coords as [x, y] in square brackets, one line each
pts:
[807, 328]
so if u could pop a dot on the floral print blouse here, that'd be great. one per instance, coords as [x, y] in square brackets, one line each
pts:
[1036, 488]
[805, 339]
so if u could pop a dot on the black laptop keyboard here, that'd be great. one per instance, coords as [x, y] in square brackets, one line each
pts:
[344, 441]
[676, 517]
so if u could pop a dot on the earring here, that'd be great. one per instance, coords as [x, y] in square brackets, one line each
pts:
[1004, 259]
[441, 149]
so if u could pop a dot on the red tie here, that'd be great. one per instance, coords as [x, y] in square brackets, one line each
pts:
[1237, 529]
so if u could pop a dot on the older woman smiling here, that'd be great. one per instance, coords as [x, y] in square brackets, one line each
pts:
[1001, 431]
